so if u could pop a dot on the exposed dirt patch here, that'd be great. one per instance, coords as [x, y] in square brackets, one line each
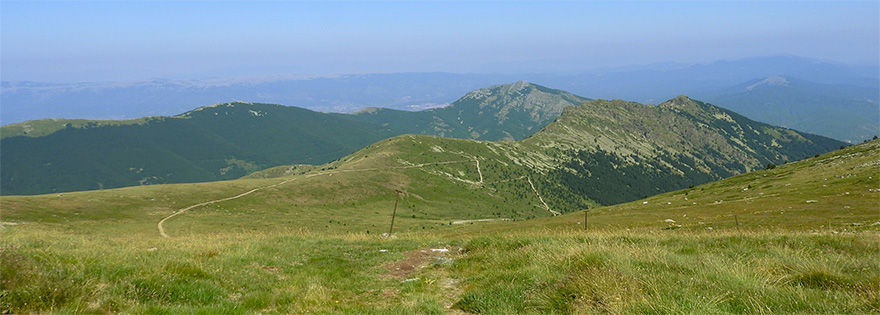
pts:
[390, 293]
[271, 268]
[478, 220]
[420, 258]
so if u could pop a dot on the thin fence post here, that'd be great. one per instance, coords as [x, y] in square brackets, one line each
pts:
[737, 223]
[393, 214]
[585, 218]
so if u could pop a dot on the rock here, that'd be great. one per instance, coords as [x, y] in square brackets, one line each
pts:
[443, 261]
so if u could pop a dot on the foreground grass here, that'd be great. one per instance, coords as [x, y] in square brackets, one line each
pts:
[672, 273]
[47, 271]
[50, 271]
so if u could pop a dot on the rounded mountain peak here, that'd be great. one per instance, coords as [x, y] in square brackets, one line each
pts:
[500, 90]
[679, 102]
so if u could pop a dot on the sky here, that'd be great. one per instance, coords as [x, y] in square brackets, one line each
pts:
[102, 41]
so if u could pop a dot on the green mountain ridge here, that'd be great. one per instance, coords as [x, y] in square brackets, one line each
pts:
[218, 142]
[230, 140]
[650, 149]
[501, 112]
[600, 153]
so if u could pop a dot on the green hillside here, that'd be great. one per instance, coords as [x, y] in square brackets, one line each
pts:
[227, 141]
[223, 141]
[620, 151]
[502, 112]
[834, 192]
[798, 238]
[567, 166]
[598, 153]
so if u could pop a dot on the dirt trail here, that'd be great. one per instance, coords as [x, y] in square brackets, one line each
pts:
[181, 211]
[554, 213]
[479, 171]
[478, 220]
[162, 229]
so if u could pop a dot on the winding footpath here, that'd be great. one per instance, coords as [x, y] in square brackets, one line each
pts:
[554, 213]
[162, 229]
[181, 211]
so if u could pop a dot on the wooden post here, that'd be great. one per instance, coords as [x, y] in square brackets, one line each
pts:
[393, 214]
[737, 223]
[585, 218]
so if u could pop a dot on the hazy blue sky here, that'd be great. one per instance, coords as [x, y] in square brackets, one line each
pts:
[108, 41]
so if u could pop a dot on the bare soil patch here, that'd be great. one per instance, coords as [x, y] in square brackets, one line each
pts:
[419, 259]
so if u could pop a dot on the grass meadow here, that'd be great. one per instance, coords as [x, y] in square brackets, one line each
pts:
[535, 271]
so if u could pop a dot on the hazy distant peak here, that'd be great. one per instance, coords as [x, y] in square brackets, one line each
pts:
[770, 81]
[228, 105]
[368, 110]
[679, 102]
[501, 89]
[518, 85]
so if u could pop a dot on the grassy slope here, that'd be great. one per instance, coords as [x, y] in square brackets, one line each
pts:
[354, 194]
[805, 242]
[95, 252]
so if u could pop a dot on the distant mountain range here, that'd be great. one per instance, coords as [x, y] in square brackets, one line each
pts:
[230, 140]
[617, 150]
[845, 112]
[160, 97]
[717, 82]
